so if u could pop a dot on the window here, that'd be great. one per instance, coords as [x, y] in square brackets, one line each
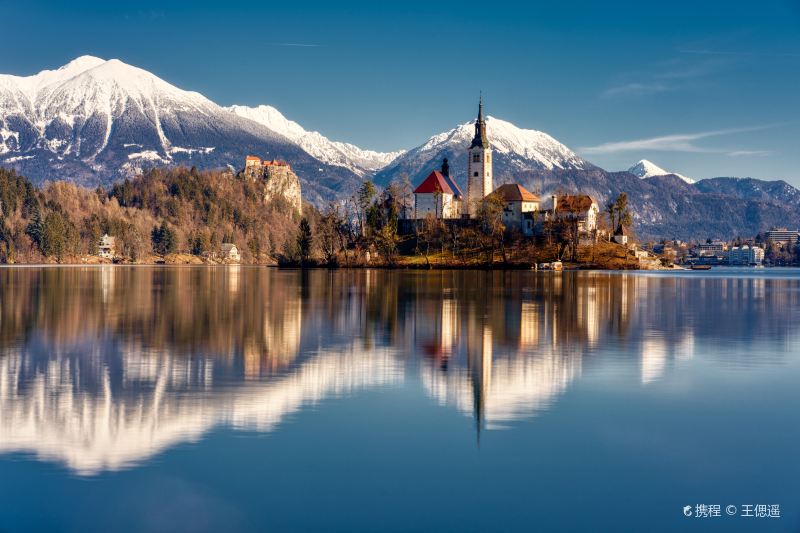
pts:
[475, 174]
[476, 158]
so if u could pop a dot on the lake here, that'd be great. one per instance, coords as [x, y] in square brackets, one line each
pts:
[257, 399]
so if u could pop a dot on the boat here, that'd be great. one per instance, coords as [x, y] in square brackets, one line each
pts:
[701, 267]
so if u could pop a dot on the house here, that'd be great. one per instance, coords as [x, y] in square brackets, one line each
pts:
[106, 247]
[438, 195]
[580, 206]
[519, 207]
[252, 161]
[746, 255]
[621, 235]
[228, 252]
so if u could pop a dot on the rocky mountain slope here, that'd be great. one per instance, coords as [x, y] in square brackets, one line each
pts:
[360, 162]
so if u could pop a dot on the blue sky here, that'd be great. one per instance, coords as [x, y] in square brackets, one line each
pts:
[701, 88]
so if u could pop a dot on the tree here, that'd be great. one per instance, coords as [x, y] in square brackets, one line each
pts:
[621, 206]
[429, 233]
[200, 242]
[304, 240]
[490, 221]
[163, 238]
[618, 212]
[366, 193]
[401, 191]
[386, 242]
[58, 237]
[35, 228]
[328, 233]
[131, 243]
[6, 243]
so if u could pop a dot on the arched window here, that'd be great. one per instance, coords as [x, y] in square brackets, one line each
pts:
[475, 174]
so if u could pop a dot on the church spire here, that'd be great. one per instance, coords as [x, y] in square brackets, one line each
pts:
[480, 139]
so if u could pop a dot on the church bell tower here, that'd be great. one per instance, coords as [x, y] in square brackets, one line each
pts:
[479, 168]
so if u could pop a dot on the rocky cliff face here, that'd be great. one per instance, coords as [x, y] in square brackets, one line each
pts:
[280, 182]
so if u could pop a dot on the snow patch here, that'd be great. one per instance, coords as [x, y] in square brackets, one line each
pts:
[149, 155]
[190, 151]
[18, 158]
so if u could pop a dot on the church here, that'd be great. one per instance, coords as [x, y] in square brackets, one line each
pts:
[439, 196]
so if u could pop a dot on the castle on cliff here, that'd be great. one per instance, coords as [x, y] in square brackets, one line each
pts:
[279, 180]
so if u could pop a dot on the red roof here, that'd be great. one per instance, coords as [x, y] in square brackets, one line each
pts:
[512, 192]
[437, 182]
[252, 158]
[275, 163]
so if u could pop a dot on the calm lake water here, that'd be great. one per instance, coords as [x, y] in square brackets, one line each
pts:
[252, 399]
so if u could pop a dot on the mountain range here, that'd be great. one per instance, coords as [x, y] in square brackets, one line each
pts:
[95, 121]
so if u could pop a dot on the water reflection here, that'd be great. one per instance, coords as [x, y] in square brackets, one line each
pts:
[102, 368]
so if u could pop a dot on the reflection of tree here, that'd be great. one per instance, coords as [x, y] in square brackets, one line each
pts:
[220, 311]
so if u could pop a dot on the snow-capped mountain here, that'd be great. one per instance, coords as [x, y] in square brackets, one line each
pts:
[361, 162]
[516, 150]
[646, 169]
[94, 120]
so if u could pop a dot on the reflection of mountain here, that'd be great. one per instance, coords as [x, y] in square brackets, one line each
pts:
[101, 368]
[161, 401]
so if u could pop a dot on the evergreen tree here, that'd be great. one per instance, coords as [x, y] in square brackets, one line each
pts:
[304, 240]
[58, 236]
[163, 238]
[35, 228]
[366, 193]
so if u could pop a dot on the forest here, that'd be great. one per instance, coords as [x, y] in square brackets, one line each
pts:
[165, 211]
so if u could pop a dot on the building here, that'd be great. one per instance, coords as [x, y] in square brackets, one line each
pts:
[106, 247]
[746, 255]
[228, 252]
[579, 206]
[438, 195]
[783, 237]
[519, 207]
[278, 179]
[479, 166]
[621, 235]
[713, 248]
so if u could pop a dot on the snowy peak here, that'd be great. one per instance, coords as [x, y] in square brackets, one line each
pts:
[332, 152]
[645, 169]
[531, 145]
[517, 152]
